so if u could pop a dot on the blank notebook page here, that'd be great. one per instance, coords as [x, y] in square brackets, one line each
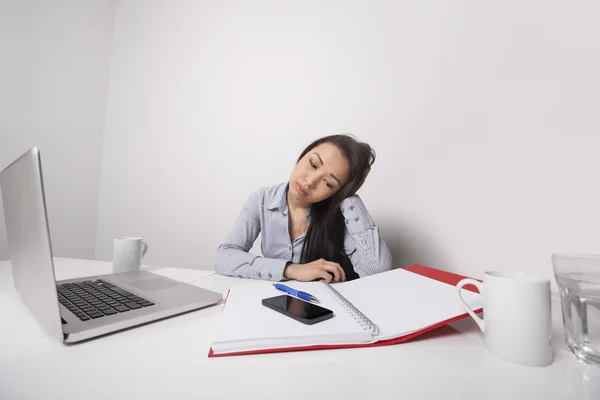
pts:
[400, 302]
[245, 319]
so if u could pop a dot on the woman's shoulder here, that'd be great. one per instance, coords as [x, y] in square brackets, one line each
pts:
[269, 195]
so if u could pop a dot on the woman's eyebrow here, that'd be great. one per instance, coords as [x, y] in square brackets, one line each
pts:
[320, 159]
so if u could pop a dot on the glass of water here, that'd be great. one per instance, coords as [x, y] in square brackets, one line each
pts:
[578, 278]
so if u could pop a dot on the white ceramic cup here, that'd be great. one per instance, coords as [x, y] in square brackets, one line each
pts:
[517, 324]
[128, 253]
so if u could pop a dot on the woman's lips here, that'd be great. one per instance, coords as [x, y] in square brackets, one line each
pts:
[300, 191]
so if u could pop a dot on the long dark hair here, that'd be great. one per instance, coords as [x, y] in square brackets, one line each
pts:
[325, 235]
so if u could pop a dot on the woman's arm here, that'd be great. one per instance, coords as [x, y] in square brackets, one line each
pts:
[371, 254]
[233, 258]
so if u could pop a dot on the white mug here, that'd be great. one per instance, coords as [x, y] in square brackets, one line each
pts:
[128, 253]
[517, 324]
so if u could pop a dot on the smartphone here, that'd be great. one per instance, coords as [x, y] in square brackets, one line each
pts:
[300, 310]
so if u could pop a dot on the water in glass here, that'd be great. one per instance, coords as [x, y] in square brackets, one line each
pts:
[580, 299]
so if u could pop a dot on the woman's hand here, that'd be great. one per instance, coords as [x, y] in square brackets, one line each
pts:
[319, 269]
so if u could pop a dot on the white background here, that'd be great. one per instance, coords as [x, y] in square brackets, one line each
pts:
[54, 58]
[484, 118]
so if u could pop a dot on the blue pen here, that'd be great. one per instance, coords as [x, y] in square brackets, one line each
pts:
[297, 293]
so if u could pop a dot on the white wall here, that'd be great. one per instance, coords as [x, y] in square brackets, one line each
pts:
[53, 82]
[484, 118]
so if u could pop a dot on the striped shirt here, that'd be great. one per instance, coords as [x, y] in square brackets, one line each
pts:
[266, 212]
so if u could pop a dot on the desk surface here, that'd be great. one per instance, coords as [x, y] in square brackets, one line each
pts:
[168, 359]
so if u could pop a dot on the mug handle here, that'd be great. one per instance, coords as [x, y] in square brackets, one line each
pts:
[479, 286]
[144, 249]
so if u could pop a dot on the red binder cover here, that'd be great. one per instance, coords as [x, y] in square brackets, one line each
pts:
[439, 275]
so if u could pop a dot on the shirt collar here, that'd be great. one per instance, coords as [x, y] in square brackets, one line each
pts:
[278, 200]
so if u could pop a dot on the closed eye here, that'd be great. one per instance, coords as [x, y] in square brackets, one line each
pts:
[312, 164]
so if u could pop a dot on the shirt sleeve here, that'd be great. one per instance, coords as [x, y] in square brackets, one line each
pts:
[233, 257]
[368, 252]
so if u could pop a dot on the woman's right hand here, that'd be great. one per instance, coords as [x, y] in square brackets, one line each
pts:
[318, 269]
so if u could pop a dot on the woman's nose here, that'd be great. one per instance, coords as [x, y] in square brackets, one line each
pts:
[310, 178]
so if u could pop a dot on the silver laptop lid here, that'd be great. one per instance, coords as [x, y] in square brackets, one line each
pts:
[28, 236]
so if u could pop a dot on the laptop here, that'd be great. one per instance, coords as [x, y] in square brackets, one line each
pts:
[78, 309]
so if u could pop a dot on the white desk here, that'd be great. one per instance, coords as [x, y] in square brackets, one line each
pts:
[168, 359]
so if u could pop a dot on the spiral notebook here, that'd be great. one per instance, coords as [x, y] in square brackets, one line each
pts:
[381, 309]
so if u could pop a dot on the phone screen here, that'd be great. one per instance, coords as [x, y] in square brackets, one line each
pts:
[295, 307]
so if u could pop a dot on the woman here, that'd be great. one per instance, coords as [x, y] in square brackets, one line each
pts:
[314, 226]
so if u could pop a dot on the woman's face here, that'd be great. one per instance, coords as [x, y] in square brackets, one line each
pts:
[319, 174]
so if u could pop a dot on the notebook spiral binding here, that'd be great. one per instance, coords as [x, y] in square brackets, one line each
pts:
[358, 316]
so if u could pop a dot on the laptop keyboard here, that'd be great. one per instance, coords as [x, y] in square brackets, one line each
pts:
[95, 299]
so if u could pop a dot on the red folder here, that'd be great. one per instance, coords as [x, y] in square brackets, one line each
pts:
[438, 275]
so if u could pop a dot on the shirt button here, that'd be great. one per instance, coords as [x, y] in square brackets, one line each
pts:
[270, 275]
[259, 275]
